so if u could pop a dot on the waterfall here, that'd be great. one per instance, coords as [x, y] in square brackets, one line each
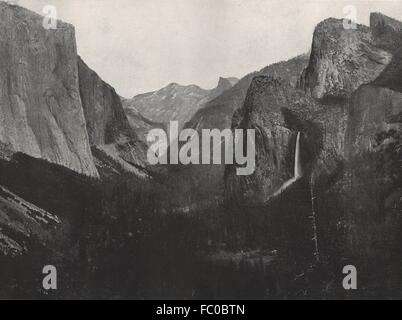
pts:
[298, 172]
[298, 168]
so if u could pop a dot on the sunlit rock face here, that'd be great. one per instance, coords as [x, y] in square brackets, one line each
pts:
[342, 60]
[40, 106]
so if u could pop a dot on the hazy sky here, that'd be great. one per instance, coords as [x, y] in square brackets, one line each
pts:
[142, 45]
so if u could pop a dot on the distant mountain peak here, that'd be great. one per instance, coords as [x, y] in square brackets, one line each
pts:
[175, 102]
[226, 83]
[172, 85]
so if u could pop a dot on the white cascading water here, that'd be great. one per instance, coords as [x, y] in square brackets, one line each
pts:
[298, 173]
[298, 169]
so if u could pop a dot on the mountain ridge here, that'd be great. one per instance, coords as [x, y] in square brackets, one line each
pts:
[176, 102]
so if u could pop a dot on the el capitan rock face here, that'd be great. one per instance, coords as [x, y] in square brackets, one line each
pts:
[40, 105]
[52, 105]
[342, 60]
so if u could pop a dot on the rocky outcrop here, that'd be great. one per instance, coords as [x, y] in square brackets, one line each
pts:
[140, 124]
[377, 106]
[103, 110]
[342, 60]
[279, 114]
[223, 85]
[107, 124]
[262, 112]
[387, 32]
[22, 223]
[40, 106]
[372, 110]
[391, 76]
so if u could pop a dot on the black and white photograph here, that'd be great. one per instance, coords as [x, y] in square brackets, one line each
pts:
[200, 150]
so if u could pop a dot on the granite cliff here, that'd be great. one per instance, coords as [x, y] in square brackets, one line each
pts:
[342, 60]
[52, 105]
[40, 105]
[347, 95]
[108, 127]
